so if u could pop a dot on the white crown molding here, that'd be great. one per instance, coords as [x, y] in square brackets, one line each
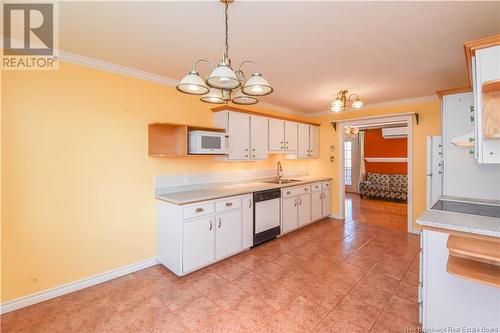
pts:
[397, 102]
[74, 286]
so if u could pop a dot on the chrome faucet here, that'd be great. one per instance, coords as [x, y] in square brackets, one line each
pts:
[279, 171]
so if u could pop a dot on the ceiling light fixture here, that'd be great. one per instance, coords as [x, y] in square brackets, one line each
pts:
[222, 80]
[342, 101]
[351, 131]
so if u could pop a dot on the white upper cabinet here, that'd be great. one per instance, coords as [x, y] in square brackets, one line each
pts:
[252, 137]
[303, 141]
[276, 135]
[485, 72]
[258, 138]
[314, 141]
[291, 137]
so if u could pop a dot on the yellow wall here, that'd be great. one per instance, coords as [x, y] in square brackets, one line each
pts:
[77, 184]
[429, 124]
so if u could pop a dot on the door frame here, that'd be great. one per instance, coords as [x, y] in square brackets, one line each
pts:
[408, 118]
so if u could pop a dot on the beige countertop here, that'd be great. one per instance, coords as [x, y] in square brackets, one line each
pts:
[216, 192]
[468, 223]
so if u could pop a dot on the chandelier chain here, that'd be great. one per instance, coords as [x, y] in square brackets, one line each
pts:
[226, 5]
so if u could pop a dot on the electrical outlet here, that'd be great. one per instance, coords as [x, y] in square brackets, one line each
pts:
[332, 159]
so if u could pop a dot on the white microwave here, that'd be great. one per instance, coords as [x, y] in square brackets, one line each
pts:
[205, 142]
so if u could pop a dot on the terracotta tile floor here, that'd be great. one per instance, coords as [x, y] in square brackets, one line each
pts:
[328, 277]
[391, 214]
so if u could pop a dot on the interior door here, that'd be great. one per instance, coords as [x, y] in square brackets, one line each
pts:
[276, 135]
[303, 141]
[314, 141]
[258, 137]
[228, 234]
[289, 215]
[239, 136]
[316, 205]
[291, 136]
[304, 204]
[197, 243]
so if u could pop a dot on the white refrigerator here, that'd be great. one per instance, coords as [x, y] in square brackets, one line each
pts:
[434, 170]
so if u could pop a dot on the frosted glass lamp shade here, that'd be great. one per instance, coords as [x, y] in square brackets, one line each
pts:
[357, 104]
[214, 96]
[337, 103]
[257, 86]
[242, 99]
[223, 77]
[336, 108]
[192, 84]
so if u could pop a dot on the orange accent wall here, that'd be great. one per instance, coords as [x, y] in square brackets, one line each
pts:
[377, 146]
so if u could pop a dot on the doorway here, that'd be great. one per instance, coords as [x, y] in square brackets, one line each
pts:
[393, 212]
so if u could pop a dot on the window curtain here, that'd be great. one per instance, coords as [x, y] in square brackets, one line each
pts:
[361, 150]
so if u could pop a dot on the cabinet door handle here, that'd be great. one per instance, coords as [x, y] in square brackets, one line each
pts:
[300, 201]
[229, 204]
[220, 222]
[249, 203]
[199, 210]
[210, 226]
[295, 203]
[288, 192]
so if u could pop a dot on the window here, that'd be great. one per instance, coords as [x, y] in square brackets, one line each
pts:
[348, 162]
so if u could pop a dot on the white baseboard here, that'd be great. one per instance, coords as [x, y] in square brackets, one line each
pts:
[74, 286]
[335, 216]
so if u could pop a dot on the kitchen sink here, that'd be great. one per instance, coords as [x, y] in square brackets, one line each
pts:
[282, 181]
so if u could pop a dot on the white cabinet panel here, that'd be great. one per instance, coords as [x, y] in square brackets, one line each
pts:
[303, 141]
[304, 214]
[451, 301]
[247, 220]
[276, 135]
[239, 136]
[227, 234]
[291, 136]
[316, 206]
[487, 68]
[314, 141]
[197, 243]
[327, 203]
[259, 137]
[289, 217]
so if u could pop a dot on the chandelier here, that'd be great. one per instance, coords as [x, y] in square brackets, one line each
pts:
[351, 131]
[342, 101]
[221, 84]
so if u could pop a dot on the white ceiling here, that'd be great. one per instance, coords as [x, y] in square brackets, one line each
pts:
[307, 50]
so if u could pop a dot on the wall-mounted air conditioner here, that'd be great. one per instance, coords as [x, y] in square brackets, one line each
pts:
[395, 132]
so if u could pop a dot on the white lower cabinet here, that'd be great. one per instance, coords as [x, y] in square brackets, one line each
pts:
[247, 221]
[327, 199]
[304, 207]
[227, 234]
[289, 216]
[449, 301]
[197, 243]
[316, 205]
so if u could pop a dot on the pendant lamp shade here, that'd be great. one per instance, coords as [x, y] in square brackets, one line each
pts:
[192, 84]
[257, 86]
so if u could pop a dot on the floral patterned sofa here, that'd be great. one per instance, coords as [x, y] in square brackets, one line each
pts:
[384, 186]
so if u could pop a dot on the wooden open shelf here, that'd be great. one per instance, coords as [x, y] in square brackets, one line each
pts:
[474, 270]
[474, 259]
[166, 139]
[491, 109]
[474, 249]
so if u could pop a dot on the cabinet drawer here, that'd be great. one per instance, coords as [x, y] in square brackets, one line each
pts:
[326, 185]
[227, 204]
[197, 210]
[316, 187]
[294, 191]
